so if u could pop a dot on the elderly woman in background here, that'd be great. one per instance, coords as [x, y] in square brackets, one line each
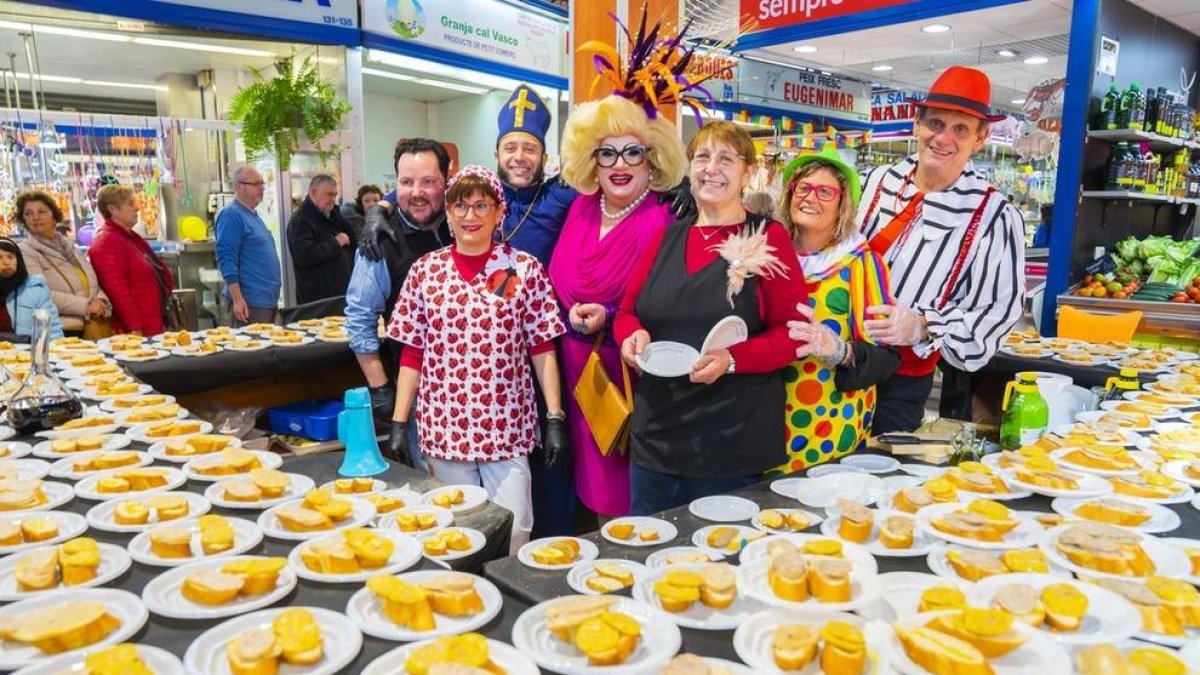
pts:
[719, 428]
[831, 388]
[472, 318]
[137, 282]
[68, 274]
[619, 160]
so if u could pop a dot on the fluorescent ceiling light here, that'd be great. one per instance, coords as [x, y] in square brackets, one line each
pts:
[86, 34]
[1018, 101]
[200, 47]
[935, 28]
[441, 70]
[804, 49]
[126, 85]
[388, 74]
[1036, 60]
[1007, 53]
[883, 68]
[49, 78]
[453, 87]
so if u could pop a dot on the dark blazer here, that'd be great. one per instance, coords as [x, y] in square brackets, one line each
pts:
[322, 264]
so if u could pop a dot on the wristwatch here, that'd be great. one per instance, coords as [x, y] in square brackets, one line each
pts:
[732, 365]
[560, 415]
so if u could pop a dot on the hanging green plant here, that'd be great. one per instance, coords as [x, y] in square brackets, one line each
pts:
[273, 112]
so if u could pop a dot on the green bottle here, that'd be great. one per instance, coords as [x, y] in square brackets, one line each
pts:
[1025, 414]
[1116, 387]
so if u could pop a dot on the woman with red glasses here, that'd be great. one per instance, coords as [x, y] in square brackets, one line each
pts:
[831, 387]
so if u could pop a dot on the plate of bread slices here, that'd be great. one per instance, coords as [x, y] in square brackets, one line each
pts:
[67, 447]
[780, 641]
[129, 482]
[981, 523]
[415, 519]
[725, 540]
[183, 450]
[317, 513]
[557, 553]
[971, 640]
[472, 650]
[86, 463]
[126, 657]
[784, 521]
[49, 624]
[1069, 611]
[354, 555]
[1140, 516]
[21, 533]
[610, 575]
[970, 564]
[1186, 471]
[143, 513]
[209, 536]
[1190, 548]
[882, 533]
[451, 543]
[703, 597]
[74, 564]
[1102, 460]
[680, 555]
[458, 499]
[230, 462]
[809, 574]
[423, 604]
[215, 589]
[1167, 606]
[1097, 549]
[260, 489]
[33, 494]
[915, 592]
[136, 402]
[639, 531]
[977, 478]
[294, 640]
[590, 634]
[170, 430]
[1134, 657]
[1044, 476]
[1152, 486]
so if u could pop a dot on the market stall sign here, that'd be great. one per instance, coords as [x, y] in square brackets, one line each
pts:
[763, 14]
[803, 91]
[721, 71]
[332, 13]
[894, 106]
[493, 31]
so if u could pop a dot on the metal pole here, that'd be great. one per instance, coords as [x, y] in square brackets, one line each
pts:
[29, 65]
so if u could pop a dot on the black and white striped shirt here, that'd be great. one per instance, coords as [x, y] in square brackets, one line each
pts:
[988, 297]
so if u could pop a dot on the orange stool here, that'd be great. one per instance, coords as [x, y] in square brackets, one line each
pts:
[1080, 325]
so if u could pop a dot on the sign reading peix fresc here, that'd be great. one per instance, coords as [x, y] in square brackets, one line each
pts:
[763, 14]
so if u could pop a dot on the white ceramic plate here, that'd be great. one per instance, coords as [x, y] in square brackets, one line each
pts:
[123, 605]
[699, 616]
[98, 430]
[1168, 560]
[923, 543]
[507, 657]
[667, 359]
[110, 405]
[16, 449]
[90, 393]
[138, 432]
[1177, 469]
[1040, 654]
[1060, 455]
[1183, 544]
[865, 589]
[389, 521]
[1184, 495]
[113, 563]
[193, 350]
[788, 487]
[902, 593]
[111, 442]
[1092, 360]
[65, 467]
[158, 451]
[819, 493]
[1170, 413]
[376, 486]
[581, 572]
[752, 640]
[920, 470]
[255, 345]
[1103, 416]
[726, 333]
[159, 661]
[269, 460]
[723, 508]
[477, 538]
[940, 566]
[56, 493]
[342, 642]
[830, 469]
[1088, 485]
[26, 468]
[1025, 535]
[246, 535]
[1161, 520]
[587, 551]
[299, 487]
[164, 597]
[123, 417]
[1179, 402]
[1109, 617]
[745, 535]
[858, 556]
[366, 611]
[659, 642]
[666, 531]
[158, 354]
[474, 497]
[871, 463]
[1190, 653]
[756, 521]
[1066, 429]
[86, 488]
[70, 525]
[306, 340]
[659, 559]
[406, 553]
[100, 516]
[7, 432]
[362, 514]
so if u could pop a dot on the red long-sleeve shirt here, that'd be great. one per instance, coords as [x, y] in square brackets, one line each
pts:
[778, 296]
[468, 266]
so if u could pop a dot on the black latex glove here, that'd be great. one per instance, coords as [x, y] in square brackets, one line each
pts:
[555, 441]
[398, 449]
[383, 403]
[376, 228]
[683, 204]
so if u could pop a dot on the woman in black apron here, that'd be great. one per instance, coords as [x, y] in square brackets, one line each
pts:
[722, 426]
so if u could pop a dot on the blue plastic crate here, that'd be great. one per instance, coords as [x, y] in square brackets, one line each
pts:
[311, 419]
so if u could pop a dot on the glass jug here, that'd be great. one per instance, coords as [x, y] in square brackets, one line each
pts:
[43, 401]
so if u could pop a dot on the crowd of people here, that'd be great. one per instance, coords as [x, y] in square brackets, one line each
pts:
[507, 294]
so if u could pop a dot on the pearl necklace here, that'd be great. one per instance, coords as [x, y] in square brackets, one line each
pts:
[619, 215]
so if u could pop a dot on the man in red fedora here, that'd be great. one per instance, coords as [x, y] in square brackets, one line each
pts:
[954, 245]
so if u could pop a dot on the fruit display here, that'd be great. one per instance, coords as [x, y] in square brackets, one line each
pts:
[1119, 286]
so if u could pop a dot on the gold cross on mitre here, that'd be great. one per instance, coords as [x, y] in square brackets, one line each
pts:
[522, 103]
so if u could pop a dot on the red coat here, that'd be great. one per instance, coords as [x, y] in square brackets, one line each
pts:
[125, 266]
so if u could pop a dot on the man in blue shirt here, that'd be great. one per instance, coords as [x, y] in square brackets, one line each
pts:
[246, 253]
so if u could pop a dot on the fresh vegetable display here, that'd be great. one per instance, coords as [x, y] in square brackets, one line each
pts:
[1110, 286]
[1162, 260]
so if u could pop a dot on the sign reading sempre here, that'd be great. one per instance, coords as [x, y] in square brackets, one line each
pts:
[803, 91]
[485, 29]
[763, 14]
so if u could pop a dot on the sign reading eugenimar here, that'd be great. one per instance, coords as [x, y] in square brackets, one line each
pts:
[338, 13]
[481, 28]
[763, 14]
[804, 91]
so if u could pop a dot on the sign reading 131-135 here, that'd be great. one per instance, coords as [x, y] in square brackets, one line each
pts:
[339, 13]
